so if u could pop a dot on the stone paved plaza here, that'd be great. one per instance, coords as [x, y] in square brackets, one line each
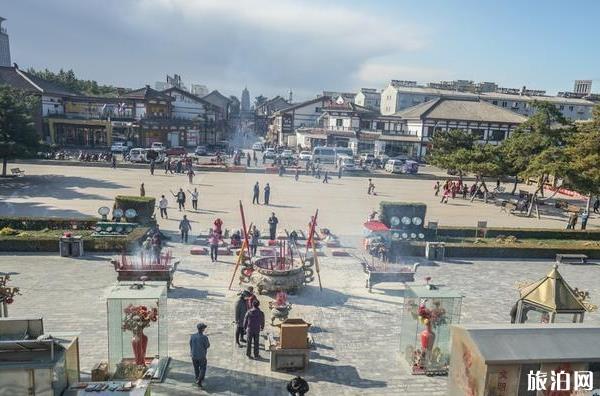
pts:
[356, 333]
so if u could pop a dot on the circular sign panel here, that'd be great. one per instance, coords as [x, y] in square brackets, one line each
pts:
[394, 221]
[417, 221]
[118, 212]
[103, 210]
[406, 220]
[130, 213]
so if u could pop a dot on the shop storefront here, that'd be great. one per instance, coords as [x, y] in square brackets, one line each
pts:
[88, 134]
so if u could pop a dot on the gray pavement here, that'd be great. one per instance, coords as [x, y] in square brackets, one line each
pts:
[356, 332]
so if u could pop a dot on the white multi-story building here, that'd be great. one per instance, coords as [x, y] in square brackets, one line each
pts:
[396, 97]
[583, 87]
[368, 97]
[284, 122]
[4, 46]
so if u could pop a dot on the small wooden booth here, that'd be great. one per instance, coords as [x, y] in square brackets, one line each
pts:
[549, 300]
[501, 360]
[291, 350]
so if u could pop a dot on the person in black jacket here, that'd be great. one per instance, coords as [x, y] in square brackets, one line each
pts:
[297, 386]
[241, 308]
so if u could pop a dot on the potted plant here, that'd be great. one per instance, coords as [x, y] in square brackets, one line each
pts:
[137, 318]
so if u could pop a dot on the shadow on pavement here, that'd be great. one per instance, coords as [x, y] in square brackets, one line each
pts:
[343, 375]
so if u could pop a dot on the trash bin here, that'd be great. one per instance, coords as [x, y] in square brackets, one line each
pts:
[435, 250]
[64, 246]
[77, 246]
[70, 246]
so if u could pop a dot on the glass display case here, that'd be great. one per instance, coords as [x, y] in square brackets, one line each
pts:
[428, 312]
[137, 326]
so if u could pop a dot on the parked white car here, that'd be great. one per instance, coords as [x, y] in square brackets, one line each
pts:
[305, 156]
[119, 147]
[258, 146]
[157, 146]
[394, 166]
[347, 163]
[137, 154]
[287, 154]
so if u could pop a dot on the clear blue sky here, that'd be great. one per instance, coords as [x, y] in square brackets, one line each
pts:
[272, 46]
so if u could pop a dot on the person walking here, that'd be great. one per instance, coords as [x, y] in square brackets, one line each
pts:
[185, 227]
[168, 165]
[254, 323]
[113, 161]
[297, 174]
[213, 240]
[465, 190]
[436, 188]
[340, 171]
[162, 205]
[256, 194]
[194, 195]
[273, 221]
[267, 193]
[240, 314]
[254, 237]
[247, 160]
[191, 174]
[152, 166]
[596, 205]
[142, 191]
[371, 187]
[180, 196]
[445, 195]
[254, 158]
[572, 221]
[199, 345]
[318, 171]
[584, 219]
[326, 177]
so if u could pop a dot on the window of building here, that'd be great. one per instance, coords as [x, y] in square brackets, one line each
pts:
[478, 133]
[504, 104]
[497, 135]
[561, 107]
[570, 108]
[379, 126]
[365, 124]
[317, 109]
[495, 102]
[339, 122]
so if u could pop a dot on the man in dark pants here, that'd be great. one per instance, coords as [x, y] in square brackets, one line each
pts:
[254, 323]
[240, 314]
[180, 196]
[185, 227]
[267, 194]
[273, 221]
[256, 193]
[199, 345]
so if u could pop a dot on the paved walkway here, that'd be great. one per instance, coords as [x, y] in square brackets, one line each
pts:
[343, 203]
[357, 333]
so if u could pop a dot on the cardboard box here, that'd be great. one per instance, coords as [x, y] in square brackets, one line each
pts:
[293, 334]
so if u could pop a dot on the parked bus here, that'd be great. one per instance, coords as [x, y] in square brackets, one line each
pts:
[324, 154]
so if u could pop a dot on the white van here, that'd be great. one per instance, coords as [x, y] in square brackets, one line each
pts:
[344, 152]
[347, 163]
[137, 155]
[394, 166]
[324, 155]
[157, 146]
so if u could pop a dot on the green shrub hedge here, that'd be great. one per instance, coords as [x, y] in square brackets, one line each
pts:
[144, 206]
[520, 233]
[407, 248]
[49, 243]
[52, 223]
